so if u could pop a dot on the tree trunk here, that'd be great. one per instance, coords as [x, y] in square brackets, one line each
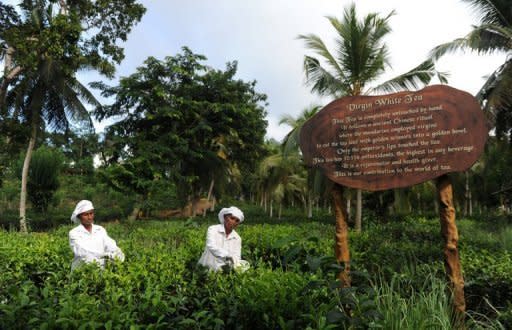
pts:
[451, 238]
[24, 179]
[209, 195]
[341, 248]
[349, 209]
[9, 75]
[310, 206]
[271, 209]
[359, 210]
[470, 204]
[63, 7]
[135, 213]
[466, 195]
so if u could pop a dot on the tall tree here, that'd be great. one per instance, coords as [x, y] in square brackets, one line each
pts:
[43, 179]
[184, 122]
[282, 178]
[290, 146]
[79, 148]
[493, 34]
[44, 50]
[359, 59]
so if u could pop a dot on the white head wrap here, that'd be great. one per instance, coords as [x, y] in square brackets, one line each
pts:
[233, 210]
[81, 207]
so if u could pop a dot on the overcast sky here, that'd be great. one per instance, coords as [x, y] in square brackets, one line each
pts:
[262, 36]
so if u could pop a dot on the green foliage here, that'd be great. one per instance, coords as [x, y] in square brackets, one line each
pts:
[490, 35]
[360, 57]
[78, 148]
[85, 31]
[184, 123]
[43, 177]
[290, 285]
[426, 307]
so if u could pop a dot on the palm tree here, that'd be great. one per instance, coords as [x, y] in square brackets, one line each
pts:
[8, 19]
[290, 142]
[281, 178]
[359, 59]
[48, 95]
[290, 146]
[492, 35]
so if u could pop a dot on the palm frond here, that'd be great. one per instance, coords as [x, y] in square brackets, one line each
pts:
[322, 81]
[483, 39]
[486, 39]
[316, 44]
[495, 94]
[290, 143]
[288, 120]
[439, 51]
[492, 11]
[412, 80]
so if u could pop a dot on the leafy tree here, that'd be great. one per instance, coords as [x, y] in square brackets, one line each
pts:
[43, 178]
[44, 50]
[83, 33]
[183, 122]
[359, 59]
[493, 34]
[79, 150]
[9, 128]
[9, 18]
[494, 176]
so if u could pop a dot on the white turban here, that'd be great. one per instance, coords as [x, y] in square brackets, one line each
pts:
[81, 207]
[234, 211]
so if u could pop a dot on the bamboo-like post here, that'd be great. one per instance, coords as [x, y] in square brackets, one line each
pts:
[451, 237]
[341, 248]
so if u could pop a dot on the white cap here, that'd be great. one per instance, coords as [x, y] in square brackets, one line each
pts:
[234, 211]
[81, 207]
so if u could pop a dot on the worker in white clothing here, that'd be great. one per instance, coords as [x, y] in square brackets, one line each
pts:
[90, 242]
[223, 244]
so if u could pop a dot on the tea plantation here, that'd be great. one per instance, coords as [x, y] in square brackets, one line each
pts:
[398, 278]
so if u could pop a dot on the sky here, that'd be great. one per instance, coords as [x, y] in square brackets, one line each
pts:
[261, 35]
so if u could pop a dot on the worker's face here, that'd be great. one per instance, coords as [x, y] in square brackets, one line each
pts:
[230, 222]
[87, 218]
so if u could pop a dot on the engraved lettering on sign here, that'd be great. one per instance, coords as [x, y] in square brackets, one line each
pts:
[381, 142]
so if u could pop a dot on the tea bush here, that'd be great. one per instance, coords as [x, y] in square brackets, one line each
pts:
[397, 271]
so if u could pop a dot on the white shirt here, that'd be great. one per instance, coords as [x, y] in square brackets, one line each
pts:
[218, 247]
[92, 246]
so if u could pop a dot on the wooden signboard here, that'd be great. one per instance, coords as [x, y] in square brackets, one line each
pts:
[395, 140]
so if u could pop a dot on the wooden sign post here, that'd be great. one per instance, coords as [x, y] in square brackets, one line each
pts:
[398, 140]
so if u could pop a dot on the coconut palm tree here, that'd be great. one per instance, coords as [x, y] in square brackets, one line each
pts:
[290, 146]
[47, 98]
[281, 178]
[8, 19]
[360, 57]
[492, 35]
[48, 95]
[290, 142]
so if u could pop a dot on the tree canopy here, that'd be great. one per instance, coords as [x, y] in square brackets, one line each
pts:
[43, 48]
[184, 122]
[492, 34]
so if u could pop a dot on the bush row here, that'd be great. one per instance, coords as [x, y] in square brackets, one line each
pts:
[290, 285]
